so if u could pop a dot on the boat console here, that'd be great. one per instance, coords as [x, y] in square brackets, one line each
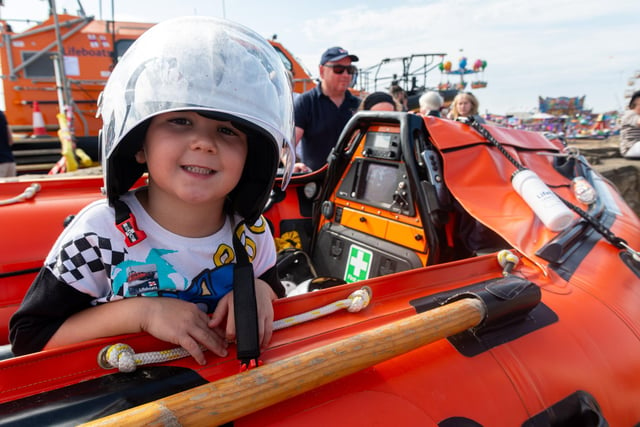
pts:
[374, 216]
[379, 178]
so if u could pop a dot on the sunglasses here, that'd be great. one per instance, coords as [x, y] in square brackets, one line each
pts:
[339, 69]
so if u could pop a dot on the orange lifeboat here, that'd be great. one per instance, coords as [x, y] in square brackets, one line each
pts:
[471, 312]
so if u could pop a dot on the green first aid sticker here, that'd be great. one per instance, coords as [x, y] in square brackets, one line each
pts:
[358, 264]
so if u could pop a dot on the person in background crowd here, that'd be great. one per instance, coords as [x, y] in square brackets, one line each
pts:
[322, 112]
[7, 161]
[430, 103]
[378, 101]
[400, 96]
[465, 104]
[630, 131]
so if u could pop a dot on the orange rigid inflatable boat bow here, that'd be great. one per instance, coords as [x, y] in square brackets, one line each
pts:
[479, 176]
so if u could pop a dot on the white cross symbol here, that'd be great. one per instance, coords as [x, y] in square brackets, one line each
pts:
[358, 263]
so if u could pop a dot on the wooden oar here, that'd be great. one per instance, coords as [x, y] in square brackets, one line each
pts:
[233, 397]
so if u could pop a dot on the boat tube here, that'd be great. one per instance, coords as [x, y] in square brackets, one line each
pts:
[424, 290]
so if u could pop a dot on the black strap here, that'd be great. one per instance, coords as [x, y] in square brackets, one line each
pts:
[471, 121]
[245, 307]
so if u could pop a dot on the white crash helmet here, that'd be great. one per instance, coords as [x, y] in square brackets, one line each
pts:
[217, 68]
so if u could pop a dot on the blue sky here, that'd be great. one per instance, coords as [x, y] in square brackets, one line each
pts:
[545, 48]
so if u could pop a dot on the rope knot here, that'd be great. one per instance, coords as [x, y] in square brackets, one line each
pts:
[359, 299]
[120, 356]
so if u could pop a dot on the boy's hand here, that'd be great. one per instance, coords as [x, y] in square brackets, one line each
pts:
[264, 301]
[182, 323]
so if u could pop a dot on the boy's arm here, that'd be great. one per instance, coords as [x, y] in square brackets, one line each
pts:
[169, 319]
[104, 320]
[47, 304]
[55, 314]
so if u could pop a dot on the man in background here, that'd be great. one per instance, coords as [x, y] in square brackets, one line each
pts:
[322, 112]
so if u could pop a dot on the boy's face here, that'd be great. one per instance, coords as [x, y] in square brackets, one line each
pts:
[193, 158]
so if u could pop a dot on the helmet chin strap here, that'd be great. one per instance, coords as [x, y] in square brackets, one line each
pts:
[245, 307]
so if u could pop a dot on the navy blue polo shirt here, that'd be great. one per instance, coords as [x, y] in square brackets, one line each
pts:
[6, 155]
[322, 122]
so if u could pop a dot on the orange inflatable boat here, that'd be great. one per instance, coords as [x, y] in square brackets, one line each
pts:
[423, 290]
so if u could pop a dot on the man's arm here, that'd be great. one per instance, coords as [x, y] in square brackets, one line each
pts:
[299, 134]
[300, 167]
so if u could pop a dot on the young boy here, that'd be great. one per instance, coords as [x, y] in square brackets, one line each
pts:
[207, 111]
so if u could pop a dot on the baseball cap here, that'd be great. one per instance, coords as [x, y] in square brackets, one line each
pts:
[336, 54]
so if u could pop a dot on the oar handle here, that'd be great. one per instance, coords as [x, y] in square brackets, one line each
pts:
[233, 397]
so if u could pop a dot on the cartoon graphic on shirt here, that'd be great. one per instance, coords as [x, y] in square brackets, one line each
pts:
[223, 255]
[141, 279]
[157, 277]
[133, 278]
[259, 227]
[207, 288]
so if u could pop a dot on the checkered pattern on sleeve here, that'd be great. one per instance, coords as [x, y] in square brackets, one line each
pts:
[86, 255]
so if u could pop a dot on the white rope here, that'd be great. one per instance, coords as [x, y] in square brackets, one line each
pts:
[28, 193]
[507, 260]
[355, 302]
[122, 357]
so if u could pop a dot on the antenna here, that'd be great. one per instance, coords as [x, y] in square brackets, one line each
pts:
[80, 9]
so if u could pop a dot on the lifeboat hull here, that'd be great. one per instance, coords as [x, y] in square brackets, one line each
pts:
[557, 341]
[585, 356]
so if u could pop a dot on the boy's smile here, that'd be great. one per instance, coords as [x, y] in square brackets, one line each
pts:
[198, 170]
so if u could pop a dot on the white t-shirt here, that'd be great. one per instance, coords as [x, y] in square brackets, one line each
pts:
[91, 256]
